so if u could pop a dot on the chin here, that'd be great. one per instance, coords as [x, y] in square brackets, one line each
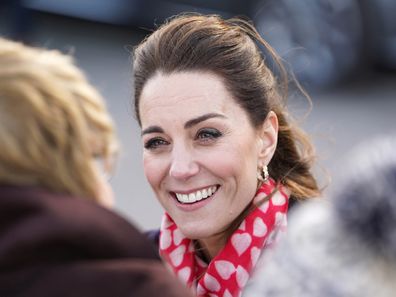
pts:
[198, 233]
[194, 233]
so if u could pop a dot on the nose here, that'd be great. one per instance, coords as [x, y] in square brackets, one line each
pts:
[183, 165]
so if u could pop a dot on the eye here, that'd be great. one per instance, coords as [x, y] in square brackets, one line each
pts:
[208, 134]
[155, 143]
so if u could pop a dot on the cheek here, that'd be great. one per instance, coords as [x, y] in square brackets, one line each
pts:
[232, 164]
[155, 170]
[240, 167]
[233, 158]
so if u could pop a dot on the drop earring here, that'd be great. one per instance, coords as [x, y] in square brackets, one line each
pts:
[263, 175]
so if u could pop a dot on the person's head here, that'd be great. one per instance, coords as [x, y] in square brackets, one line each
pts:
[212, 115]
[53, 123]
[346, 246]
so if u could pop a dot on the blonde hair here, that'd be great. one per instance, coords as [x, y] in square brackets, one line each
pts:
[52, 122]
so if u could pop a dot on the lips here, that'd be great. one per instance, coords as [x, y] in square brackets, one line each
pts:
[202, 194]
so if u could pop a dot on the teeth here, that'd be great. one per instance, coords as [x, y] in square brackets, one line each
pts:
[209, 191]
[204, 193]
[196, 196]
[183, 198]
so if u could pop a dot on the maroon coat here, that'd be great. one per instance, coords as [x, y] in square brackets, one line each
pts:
[57, 245]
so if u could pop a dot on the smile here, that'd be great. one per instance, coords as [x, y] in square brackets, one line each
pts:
[196, 196]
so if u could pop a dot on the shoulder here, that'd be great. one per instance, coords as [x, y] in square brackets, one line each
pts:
[79, 249]
[102, 278]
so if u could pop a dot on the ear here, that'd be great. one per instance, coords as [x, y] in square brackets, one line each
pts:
[267, 139]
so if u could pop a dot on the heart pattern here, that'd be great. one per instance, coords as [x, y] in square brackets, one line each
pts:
[184, 274]
[241, 242]
[165, 223]
[200, 290]
[224, 268]
[242, 276]
[254, 255]
[259, 227]
[165, 240]
[279, 219]
[228, 272]
[177, 236]
[264, 207]
[278, 199]
[211, 283]
[177, 255]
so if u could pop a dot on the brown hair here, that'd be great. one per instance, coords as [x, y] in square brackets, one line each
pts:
[229, 48]
[52, 122]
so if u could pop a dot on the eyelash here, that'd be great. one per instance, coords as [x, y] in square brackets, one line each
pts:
[154, 143]
[208, 134]
[204, 135]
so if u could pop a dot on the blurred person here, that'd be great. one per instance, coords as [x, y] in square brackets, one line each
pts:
[57, 235]
[343, 247]
[220, 150]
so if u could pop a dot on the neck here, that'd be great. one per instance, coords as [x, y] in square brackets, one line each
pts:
[212, 245]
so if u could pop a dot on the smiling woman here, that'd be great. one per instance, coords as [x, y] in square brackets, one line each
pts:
[206, 147]
[219, 150]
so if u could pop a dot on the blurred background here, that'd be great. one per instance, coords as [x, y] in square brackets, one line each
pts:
[342, 51]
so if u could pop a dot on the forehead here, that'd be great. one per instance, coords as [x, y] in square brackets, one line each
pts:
[184, 95]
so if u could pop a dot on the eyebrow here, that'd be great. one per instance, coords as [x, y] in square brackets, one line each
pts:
[202, 118]
[188, 124]
[152, 129]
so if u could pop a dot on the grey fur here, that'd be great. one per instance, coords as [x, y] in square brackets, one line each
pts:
[344, 246]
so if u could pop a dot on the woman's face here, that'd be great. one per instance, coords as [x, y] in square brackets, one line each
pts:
[201, 153]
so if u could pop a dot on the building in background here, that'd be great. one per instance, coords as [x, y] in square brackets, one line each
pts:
[324, 42]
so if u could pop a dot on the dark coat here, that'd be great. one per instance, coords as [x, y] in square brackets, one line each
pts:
[57, 245]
